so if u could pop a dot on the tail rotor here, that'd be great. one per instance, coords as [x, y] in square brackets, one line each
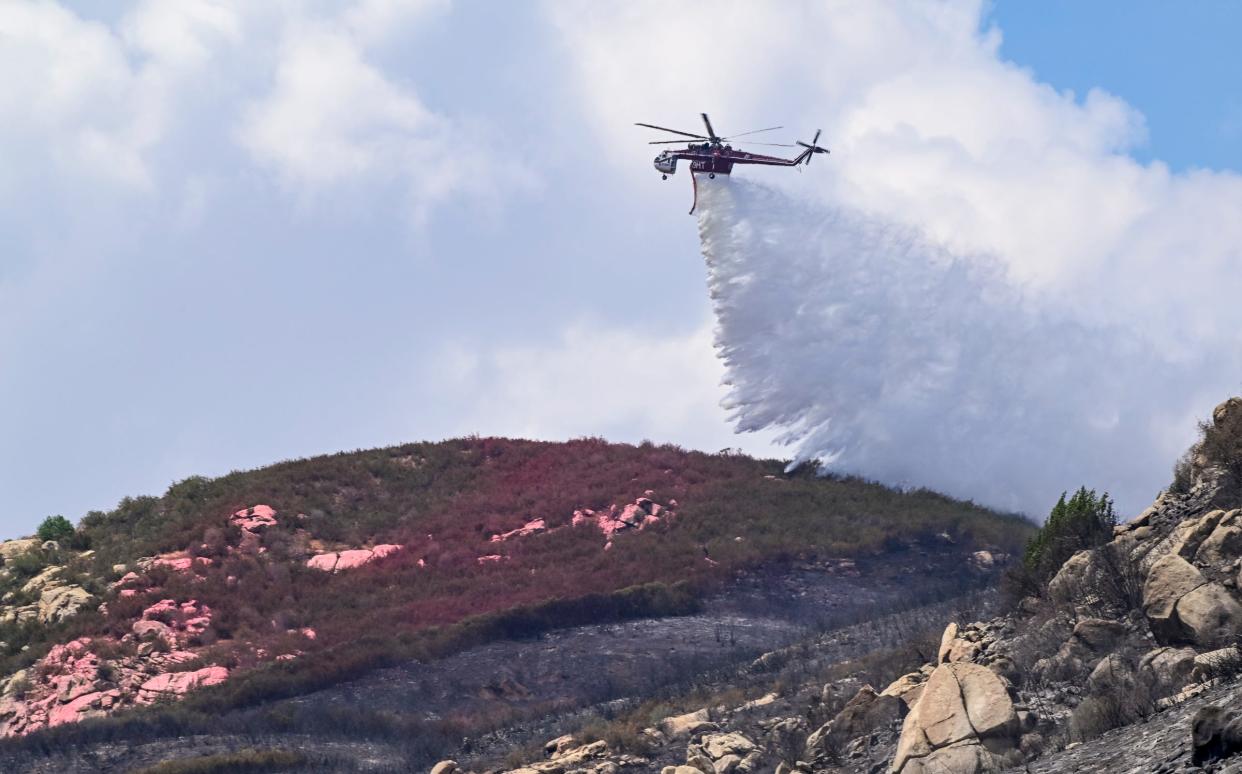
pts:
[812, 148]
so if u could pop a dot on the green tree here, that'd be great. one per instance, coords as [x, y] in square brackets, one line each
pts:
[56, 528]
[1083, 521]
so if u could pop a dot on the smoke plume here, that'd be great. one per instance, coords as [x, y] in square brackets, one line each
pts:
[884, 355]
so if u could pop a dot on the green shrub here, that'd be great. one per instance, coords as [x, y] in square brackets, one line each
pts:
[248, 761]
[1083, 521]
[56, 528]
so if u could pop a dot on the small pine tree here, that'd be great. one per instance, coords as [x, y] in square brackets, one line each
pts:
[56, 528]
[1082, 521]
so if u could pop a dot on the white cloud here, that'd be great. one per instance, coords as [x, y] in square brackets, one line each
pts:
[331, 116]
[378, 20]
[930, 127]
[596, 380]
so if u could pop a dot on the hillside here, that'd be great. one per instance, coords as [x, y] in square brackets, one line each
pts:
[270, 583]
[1125, 657]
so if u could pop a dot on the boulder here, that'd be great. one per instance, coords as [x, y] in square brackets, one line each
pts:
[12, 548]
[1217, 663]
[718, 746]
[1224, 544]
[1191, 533]
[59, 603]
[444, 767]
[964, 716]
[1168, 580]
[687, 725]
[1098, 634]
[861, 715]
[1111, 674]
[48, 577]
[908, 688]
[178, 683]
[1215, 733]
[153, 630]
[1210, 615]
[1168, 668]
[1067, 584]
[946, 642]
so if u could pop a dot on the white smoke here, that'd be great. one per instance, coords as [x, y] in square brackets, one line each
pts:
[885, 355]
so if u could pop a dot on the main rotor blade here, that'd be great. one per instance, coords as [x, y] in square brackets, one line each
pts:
[669, 142]
[711, 133]
[773, 144]
[674, 131]
[752, 131]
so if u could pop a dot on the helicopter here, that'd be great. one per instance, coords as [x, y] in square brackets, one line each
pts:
[714, 156]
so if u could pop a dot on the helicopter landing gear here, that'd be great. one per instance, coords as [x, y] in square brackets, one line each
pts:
[711, 175]
[664, 177]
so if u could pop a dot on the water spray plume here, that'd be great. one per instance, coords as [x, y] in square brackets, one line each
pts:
[884, 355]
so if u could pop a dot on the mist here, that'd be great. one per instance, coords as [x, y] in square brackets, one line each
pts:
[882, 354]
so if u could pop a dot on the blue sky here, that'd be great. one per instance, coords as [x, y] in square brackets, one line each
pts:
[1177, 63]
[239, 232]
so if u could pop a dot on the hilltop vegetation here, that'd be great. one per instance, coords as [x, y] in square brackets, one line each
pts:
[447, 583]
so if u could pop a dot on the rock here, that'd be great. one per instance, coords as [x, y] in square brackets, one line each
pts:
[1182, 605]
[324, 562]
[12, 548]
[1223, 411]
[1097, 634]
[178, 683]
[348, 560]
[687, 725]
[1110, 675]
[1191, 533]
[1067, 584]
[1168, 667]
[444, 767]
[908, 688]
[962, 707]
[718, 746]
[1215, 733]
[559, 745]
[50, 546]
[1216, 663]
[59, 603]
[861, 715]
[1210, 615]
[1224, 544]
[958, 759]
[946, 642]
[153, 630]
[48, 577]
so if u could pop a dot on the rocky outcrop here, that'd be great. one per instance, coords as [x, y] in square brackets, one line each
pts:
[640, 514]
[1182, 605]
[176, 684]
[61, 602]
[964, 721]
[728, 753]
[336, 561]
[10, 549]
[861, 715]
